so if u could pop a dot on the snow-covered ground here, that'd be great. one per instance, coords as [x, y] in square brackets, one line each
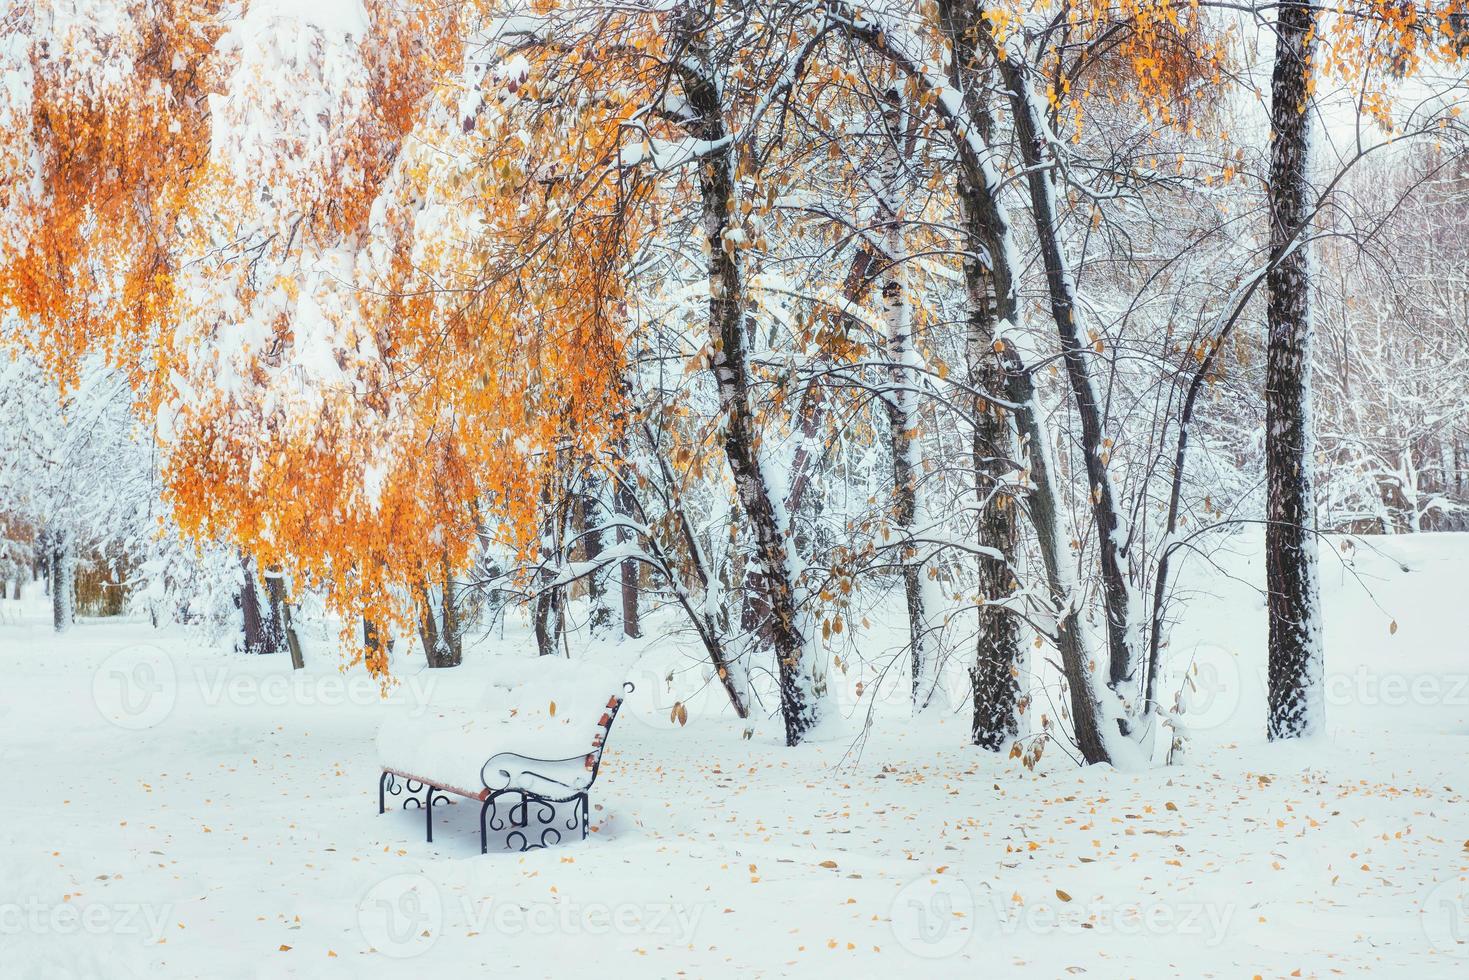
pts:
[170, 810]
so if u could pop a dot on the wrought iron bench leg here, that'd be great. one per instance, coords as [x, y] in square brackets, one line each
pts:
[382, 800]
[586, 816]
[428, 810]
[524, 807]
[484, 837]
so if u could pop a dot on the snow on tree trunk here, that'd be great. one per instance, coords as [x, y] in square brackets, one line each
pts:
[451, 631]
[1123, 610]
[999, 658]
[599, 618]
[901, 399]
[989, 231]
[438, 620]
[63, 580]
[728, 310]
[1296, 705]
[1088, 718]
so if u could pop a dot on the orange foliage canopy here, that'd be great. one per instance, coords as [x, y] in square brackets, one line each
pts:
[369, 326]
[102, 136]
[424, 351]
[373, 296]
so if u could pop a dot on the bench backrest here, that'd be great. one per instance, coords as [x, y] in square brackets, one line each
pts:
[604, 727]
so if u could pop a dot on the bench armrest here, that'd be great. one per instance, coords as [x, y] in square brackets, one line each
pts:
[504, 766]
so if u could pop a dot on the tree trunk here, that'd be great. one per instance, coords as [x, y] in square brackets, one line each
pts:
[999, 657]
[428, 622]
[275, 626]
[901, 400]
[442, 632]
[727, 329]
[264, 630]
[293, 641]
[63, 580]
[1076, 660]
[547, 618]
[1295, 656]
[599, 618]
[546, 613]
[255, 641]
[626, 507]
[1123, 611]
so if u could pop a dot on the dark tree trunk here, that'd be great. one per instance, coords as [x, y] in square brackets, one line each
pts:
[451, 632]
[279, 628]
[63, 580]
[626, 507]
[372, 644]
[1086, 717]
[275, 626]
[999, 658]
[428, 623]
[1295, 656]
[600, 615]
[293, 641]
[547, 618]
[727, 329]
[631, 624]
[255, 640]
[1123, 649]
[998, 661]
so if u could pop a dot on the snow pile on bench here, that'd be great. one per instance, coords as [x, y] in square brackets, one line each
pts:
[541, 707]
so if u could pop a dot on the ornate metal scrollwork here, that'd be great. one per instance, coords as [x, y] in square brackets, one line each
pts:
[513, 774]
[533, 821]
[389, 785]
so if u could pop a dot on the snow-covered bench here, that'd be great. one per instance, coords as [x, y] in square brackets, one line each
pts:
[537, 740]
